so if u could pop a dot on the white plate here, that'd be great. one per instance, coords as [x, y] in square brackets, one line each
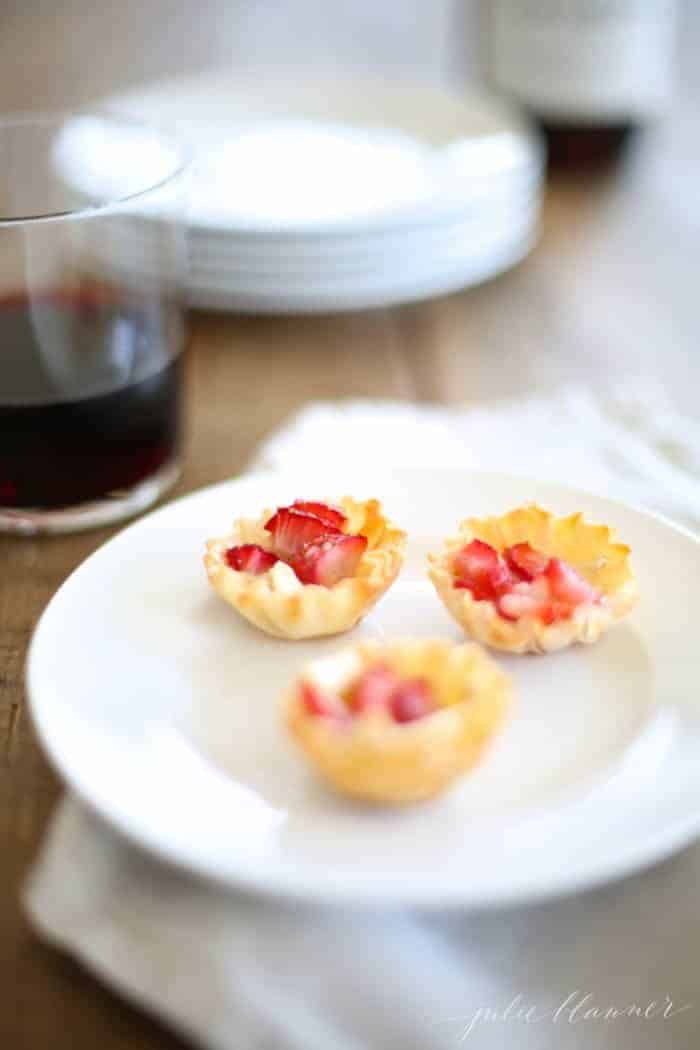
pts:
[392, 268]
[158, 705]
[474, 165]
[376, 291]
[340, 257]
[490, 203]
[464, 143]
[409, 280]
[337, 254]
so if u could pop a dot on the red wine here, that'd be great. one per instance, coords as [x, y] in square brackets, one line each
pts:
[89, 396]
[582, 148]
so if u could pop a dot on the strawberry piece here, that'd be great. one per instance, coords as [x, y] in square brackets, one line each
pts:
[553, 611]
[373, 689]
[329, 515]
[412, 699]
[484, 592]
[293, 530]
[320, 704]
[546, 587]
[567, 585]
[476, 561]
[512, 606]
[481, 569]
[525, 562]
[536, 589]
[249, 557]
[330, 560]
[525, 598]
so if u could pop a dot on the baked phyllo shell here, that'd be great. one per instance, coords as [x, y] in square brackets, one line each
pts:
[278, 603]
[372, 757]
[593, 550]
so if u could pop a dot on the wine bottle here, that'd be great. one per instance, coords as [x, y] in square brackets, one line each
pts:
[591, 72]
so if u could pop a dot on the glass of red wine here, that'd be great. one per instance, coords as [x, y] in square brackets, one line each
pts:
[91, 323]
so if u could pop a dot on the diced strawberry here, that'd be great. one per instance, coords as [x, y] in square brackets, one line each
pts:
[330, 515]
[513, 605]
[412, 699]
[567, 585]
[538, 589]
[479, 567]
[320, 704]
[476, 560]
[524, 561]
[483, 592]
[551, 593]
[373, 689]
[249, 557]
[293, 530]
[330, 560]
[525, 598]
[554, 611]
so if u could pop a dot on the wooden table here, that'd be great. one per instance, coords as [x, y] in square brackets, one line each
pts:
[608, 292]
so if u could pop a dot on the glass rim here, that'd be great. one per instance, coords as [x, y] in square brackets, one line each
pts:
[54, 117]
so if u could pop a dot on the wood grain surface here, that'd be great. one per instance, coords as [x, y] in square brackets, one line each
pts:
[610, 292]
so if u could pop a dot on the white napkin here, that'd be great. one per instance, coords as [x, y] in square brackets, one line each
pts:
[237, 972]
[628, 441]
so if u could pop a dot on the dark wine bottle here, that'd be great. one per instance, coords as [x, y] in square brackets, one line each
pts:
[590, 72]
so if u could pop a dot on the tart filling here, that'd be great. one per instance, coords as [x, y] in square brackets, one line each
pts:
[531, 582]
[308, 569]
[397, 723]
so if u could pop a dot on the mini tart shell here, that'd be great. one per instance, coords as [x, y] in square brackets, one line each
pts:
[371, 757]
[593, 550]
[290, 609]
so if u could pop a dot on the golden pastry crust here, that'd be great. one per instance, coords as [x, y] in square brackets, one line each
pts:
[371, 757]
[279, 604]
[592, 549]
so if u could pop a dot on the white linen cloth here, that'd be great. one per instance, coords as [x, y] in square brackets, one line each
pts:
[618, 967]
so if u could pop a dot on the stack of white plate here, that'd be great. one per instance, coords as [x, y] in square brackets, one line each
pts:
[327, 193]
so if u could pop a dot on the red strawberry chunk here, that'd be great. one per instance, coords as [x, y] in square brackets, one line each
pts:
[481, 569]
[525, 598]
[293, 530]
[521, 582]
[412, 699]
[321, 704]
[330, 560]
[329, 515]
[373, 689]
[475, 561]
[512, 606]
[249, 557]
[525, 562]
[567, 585]
[537, 589]
[554, 611]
